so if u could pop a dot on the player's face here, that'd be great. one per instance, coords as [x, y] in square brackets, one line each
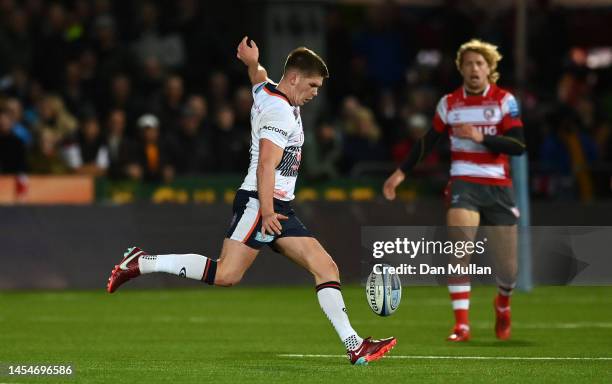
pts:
[475, 71]
[306, 88]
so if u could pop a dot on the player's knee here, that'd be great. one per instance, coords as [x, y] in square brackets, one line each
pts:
[227, 279]
[326, 269]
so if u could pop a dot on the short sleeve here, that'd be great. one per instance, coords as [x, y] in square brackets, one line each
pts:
[275, 127]
[511, 115]
[440, 117]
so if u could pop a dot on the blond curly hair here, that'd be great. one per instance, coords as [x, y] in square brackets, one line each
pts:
[487, 50]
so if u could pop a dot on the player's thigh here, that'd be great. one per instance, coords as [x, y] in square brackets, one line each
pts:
[310, 254]
[234, 261]
[462, 217]
[462, 224]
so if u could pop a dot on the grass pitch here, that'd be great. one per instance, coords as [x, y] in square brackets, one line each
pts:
[280, 335]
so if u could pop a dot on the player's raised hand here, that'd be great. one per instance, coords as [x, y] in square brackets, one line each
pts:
[270, 223]
[391, 184]
[468, 131]
[248, 54]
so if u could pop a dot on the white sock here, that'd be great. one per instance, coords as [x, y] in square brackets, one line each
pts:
[332, 303]
[188, 265]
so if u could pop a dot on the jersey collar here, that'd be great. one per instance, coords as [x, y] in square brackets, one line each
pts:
[273, 91]
[484, 93]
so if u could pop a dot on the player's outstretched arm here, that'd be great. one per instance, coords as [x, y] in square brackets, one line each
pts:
[249, 55]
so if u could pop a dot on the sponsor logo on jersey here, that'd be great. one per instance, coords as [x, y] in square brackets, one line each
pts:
[290, 163]
[490, 130]
[274, 129]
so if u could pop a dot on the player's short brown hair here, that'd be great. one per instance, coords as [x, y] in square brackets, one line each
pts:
[307, 62]
[487, 50]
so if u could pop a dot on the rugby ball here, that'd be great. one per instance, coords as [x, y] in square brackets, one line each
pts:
[383, 290]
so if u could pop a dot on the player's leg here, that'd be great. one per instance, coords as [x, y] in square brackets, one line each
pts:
[310, 254]
[501, 230]
[239, 251]
[503, 244]
[228, 270]
[235, 259]
[462, 226]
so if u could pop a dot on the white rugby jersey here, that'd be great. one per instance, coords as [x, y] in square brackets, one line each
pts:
[274, 118]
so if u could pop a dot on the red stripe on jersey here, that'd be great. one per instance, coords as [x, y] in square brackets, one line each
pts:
[479, 157]
[438, 124]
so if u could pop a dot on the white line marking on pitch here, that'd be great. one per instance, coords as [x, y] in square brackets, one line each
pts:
[459, 357]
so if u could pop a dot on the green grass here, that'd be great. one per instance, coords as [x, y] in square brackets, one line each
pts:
[214, 335]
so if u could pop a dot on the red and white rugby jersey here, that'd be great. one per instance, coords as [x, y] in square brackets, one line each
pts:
[493, 113]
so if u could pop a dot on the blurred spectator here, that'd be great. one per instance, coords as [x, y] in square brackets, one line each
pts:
[118, 144]
[218, 90]
[189, 149]
[151, 77]
[53, 117]
[348, 114]
[72, 92]
[362, 144]
[46, 158]
[112, 56]
[243, 101]
[388, 116]
[16, 46]
[122, 97]
[90, 83]
[52, 48]
[167, 49]
[13, 105]
[88, 155]
[324, 161]
[231, 149]
[198, 105]
[381, 45]
[16, 83]
[168, 104]
[12, 149]
[149, 159]
[568, 153]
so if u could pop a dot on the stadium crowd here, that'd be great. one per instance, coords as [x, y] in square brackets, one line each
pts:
[152, 90]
